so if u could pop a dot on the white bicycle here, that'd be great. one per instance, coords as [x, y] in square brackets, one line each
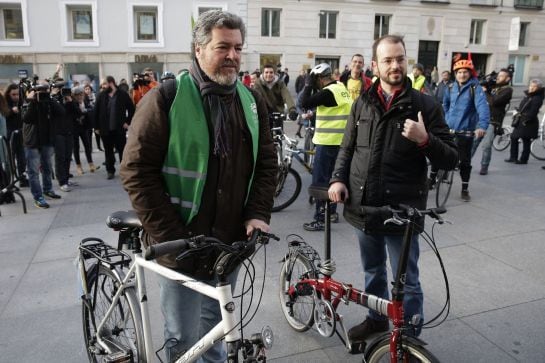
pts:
[116, 320]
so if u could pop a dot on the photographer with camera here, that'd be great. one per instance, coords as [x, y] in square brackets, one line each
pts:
[498, 94]
[142, 83]
[40, 117]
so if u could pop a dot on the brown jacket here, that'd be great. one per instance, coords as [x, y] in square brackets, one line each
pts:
[222, 212]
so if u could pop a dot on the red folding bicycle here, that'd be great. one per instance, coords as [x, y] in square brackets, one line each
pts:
[310, 296]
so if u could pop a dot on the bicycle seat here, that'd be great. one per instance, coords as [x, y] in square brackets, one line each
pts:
[122, 220]
[318, 193]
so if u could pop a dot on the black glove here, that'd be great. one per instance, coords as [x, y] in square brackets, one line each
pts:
[310, 80]
[293, 115]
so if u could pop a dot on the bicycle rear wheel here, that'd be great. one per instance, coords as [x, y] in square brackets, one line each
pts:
[537, 148]
[123, 331]
[298, 311]
[443, 187]
[288, 188]
[502, 142]
[412, 352]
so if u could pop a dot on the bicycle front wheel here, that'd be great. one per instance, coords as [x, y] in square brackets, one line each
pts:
[502, 142]
[122, 331]
[298, 310]
[537, 149]
[443, 187]
[287, 189]
[411, 353]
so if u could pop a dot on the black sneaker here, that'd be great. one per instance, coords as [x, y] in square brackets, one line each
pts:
[110, 176]
[51, 194]
[314, 226]
[465, 196]
[510, 160]
[334, 217]
[484, 170]
[368, 327]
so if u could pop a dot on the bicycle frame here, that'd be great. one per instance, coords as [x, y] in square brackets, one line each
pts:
[224, 329]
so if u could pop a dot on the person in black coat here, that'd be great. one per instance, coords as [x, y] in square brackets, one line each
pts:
[113, 114]
[525, 122]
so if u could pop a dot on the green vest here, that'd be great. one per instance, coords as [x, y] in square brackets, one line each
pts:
[331, 121]
[418, 83]
[186, 162]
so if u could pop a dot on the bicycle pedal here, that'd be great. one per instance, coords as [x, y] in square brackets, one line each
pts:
[357, 347]
[119, 357]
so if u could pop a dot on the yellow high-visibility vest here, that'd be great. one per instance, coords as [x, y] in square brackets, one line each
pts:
[331, 121]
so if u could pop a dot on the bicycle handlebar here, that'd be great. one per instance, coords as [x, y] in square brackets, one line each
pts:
[200, 242]
[403, 211]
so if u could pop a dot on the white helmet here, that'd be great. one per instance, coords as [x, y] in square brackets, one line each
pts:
[321, 70]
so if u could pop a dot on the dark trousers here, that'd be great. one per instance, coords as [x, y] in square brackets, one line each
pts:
[63, 156]
[16, 143]
[85, 137]
[114, 139]
[324, 163]
[465, 144]
[525, 155]
[97, 139]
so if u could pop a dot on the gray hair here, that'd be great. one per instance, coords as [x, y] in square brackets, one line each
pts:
[537, 82]
[202, 32]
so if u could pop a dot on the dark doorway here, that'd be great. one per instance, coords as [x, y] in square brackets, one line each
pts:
[427, 54]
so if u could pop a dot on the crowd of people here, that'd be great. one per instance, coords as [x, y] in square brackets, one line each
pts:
[44, 122]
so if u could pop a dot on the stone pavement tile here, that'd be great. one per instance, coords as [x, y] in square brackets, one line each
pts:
[313, 356]
[46, 336]
[523, 251]
[516, 329]
[62, 243]
[478, 282]
[13, 220]
[45, 286]
[454, 342]
[19, 248]
[9, 280]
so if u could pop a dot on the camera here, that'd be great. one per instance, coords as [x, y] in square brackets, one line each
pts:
[140, 79]
[489, 80]
[66, 92]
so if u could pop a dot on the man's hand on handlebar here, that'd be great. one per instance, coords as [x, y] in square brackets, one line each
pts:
[338, 193]
[253, 224]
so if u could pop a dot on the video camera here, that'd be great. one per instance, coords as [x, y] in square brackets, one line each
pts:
[489, 80]
[140, 79]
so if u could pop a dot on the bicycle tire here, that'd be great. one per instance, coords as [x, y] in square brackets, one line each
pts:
[123, 331]
[288, 188]
[301, 316]
[537, 149]
[502, 142]
[412, 352]
[309, 146]
[443, 187]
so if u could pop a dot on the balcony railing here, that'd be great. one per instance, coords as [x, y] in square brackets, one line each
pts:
[483, 2]
[529, 4]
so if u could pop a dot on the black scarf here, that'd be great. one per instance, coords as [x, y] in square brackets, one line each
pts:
[212, 94]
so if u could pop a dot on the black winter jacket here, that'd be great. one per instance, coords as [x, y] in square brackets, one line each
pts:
[124, 110]
[379, 166]
[529, 109]
[40, 120]
[498, 100]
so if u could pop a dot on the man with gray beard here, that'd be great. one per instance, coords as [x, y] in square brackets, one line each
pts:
[200, 163]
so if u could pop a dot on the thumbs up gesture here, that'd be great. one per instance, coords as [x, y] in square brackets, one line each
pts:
[415, 130]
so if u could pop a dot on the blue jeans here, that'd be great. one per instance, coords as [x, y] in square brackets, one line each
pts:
[486, 142]
[324, 163]
[36, 157]
[188, 316]
[373, 257]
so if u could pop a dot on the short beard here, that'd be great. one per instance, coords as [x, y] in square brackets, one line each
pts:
[224, 80]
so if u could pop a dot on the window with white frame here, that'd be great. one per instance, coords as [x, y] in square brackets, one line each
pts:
[204, 9]
[78, 23]
[270, 22]
[328, 24]
[523, 36]
[145, 21]
[476, 35]
[11, 22]
[382, 25]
